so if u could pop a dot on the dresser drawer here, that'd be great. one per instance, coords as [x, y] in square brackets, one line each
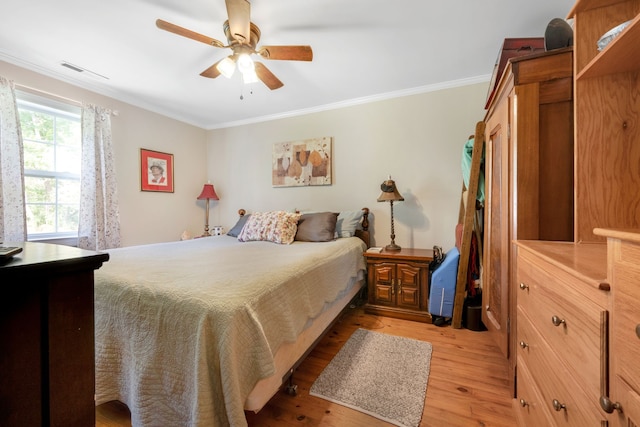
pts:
[529, 407]
[555, 382]
[568, 320]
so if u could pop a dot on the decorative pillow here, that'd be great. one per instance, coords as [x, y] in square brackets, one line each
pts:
[235, 231]
[348, 222]
[317, 227]
[276, 227]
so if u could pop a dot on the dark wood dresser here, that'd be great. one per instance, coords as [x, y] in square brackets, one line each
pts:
[47, 335]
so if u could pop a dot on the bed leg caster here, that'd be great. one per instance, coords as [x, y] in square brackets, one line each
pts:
[292, 389]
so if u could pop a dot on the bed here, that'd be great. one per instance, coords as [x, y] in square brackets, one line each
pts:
[193, 333]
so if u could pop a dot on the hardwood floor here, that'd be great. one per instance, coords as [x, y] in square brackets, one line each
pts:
[467, 383]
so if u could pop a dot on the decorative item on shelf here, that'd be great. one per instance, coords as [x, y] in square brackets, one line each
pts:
[558, 34]
[390, 194]
[208, 193]
[612, 34]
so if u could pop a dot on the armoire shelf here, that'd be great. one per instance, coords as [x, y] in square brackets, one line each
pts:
[621, 55]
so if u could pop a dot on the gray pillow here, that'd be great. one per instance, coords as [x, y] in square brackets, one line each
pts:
[348, 222]
[235, 231]
[317, 227]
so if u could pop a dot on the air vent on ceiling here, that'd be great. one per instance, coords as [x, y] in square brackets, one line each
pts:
[81, 70]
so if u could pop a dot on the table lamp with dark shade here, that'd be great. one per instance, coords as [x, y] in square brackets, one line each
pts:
[208, 193]
[390, 194]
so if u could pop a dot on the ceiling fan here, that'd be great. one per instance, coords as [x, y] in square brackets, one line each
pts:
[242, 38]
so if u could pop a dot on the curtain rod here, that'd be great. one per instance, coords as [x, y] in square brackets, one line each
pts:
[54, 96]
[48, 94]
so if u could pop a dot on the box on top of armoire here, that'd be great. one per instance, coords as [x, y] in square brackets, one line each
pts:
[511, 48]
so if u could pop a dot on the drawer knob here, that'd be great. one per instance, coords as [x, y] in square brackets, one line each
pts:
[524, 403]
[557, 321]
[523, 344]
[558, 406]
[523, 286]
[608, 406]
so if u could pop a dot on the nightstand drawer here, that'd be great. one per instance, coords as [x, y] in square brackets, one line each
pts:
[569, 322]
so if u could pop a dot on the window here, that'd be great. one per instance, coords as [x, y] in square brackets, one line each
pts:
[52, 136]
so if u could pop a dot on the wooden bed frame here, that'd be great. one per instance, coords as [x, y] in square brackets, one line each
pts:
[291, 355]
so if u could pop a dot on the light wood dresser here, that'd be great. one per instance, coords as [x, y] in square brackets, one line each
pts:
[563, 322]
[578, 332]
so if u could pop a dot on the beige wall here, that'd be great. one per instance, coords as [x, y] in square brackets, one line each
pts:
[418, 139]
[146, 217]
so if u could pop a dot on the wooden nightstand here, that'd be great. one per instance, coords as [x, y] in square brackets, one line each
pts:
[398, 283]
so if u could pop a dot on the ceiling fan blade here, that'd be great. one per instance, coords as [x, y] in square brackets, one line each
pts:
[267, 77]
[239, 13]
[172, 28]
[211, 72]
[291, 53]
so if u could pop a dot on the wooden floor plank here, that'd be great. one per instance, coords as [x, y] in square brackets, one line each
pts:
[468, 383]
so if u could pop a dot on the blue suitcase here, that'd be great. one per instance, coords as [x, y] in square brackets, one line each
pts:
[443, 285]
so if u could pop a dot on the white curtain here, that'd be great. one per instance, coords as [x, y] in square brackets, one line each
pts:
[99, 226]
[13, 222]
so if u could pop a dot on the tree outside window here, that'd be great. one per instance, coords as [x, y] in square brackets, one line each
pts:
[52, 161]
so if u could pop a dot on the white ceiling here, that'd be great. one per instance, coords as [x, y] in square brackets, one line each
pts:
[363, 50]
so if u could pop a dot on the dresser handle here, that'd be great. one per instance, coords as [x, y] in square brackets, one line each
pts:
[523, 344]
[524, 287]
[605, 403]
[523, 403]
[559, 406]
[608, 406]
[638, 330]
[558, 321]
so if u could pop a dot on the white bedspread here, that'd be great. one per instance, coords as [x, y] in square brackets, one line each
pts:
[184, 330]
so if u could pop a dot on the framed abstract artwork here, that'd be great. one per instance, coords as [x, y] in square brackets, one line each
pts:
[156, 171]
[302, 163]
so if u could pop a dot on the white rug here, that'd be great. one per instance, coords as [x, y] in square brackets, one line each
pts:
[381, 375]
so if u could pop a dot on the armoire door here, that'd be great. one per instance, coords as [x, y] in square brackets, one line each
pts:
[495, 292]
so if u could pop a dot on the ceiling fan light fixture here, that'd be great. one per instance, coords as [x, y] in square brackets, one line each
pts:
[226, 67]
[245, 64]
[249, 76]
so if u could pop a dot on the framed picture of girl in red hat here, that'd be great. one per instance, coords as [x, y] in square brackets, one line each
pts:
[156, 171]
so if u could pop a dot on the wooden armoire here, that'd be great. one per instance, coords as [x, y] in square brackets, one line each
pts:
[577, 304]
[561, 275]
[528, 176]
